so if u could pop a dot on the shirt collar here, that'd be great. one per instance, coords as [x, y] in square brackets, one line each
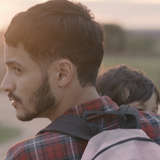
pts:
[102, 103]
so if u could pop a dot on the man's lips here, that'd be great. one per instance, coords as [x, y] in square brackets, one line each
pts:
[14, 100]
[11, 99]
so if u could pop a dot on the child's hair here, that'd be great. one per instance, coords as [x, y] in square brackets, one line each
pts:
[126, 85]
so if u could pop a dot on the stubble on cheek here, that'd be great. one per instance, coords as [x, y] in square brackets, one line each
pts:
[43, 99]
[38, 104]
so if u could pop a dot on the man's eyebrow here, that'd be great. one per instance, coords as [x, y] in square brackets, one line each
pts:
[12, 62]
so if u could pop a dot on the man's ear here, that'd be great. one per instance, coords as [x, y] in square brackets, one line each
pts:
[65, 71]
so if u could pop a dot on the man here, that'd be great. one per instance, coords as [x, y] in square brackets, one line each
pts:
[125, 85]
[53, 52]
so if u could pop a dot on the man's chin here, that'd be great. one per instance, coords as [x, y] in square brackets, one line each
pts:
[26, 118]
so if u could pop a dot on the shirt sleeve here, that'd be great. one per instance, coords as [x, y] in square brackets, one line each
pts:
[48, 147]
[17, 152]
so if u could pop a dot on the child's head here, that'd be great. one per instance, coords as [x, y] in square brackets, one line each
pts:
[126, 85]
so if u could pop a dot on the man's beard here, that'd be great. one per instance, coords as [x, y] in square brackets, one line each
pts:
[43, 100]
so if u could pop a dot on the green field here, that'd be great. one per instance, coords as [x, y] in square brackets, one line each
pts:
[149, 65]
[7, 133]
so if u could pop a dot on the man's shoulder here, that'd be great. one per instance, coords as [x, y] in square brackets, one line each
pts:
[30, 148]
[18, 149]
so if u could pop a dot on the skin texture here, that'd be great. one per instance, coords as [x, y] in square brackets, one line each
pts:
[42, 90]
[27, 88]
[60, 69]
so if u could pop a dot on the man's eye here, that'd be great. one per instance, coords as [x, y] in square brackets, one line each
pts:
[17, 70]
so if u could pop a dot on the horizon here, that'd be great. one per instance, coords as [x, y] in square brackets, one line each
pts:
[130, 14]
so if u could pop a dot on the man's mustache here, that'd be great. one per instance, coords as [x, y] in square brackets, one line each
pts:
[11, 97]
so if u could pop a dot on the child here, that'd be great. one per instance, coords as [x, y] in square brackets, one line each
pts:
[126, 85]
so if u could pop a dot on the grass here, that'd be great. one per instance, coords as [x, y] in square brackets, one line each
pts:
[7, 133]
[149, 65]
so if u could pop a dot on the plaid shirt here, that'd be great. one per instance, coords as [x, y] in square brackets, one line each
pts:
[57, 146]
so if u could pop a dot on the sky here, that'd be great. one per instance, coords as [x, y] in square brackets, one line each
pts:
[130, 14]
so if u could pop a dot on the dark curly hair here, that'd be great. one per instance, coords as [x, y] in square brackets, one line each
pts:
[116, 80]
[60, 29]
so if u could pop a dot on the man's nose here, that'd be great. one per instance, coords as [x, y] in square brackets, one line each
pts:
[7, 84]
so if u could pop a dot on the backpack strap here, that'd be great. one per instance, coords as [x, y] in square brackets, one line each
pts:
[132, 117]
[128, 116]
[80, 128]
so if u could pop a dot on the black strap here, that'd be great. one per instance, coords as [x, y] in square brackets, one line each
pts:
[131, 114]
[81, 128]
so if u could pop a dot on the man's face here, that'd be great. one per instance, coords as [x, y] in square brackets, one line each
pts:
[28, 89]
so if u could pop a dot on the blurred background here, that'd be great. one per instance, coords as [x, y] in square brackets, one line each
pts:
[131, 36]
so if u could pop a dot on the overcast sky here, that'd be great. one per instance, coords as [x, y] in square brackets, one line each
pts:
[143, 14]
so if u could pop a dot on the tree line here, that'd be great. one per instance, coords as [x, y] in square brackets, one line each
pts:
[118, 40]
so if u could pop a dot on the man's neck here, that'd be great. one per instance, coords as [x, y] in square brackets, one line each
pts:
[75, 98]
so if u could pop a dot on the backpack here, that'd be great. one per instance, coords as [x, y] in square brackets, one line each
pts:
[129, 142]
[121, 144]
